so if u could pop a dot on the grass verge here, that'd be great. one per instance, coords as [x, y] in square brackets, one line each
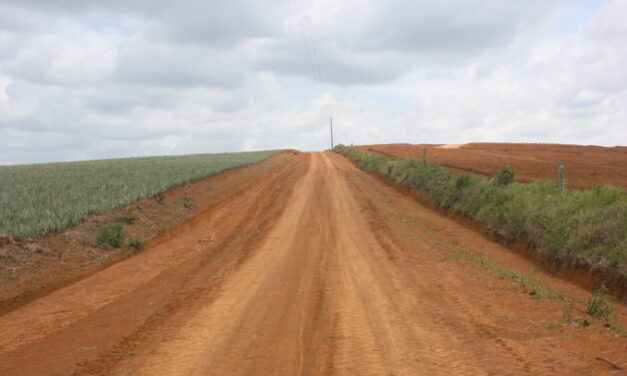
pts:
[536, 289]
[578, 228]
[598, 306]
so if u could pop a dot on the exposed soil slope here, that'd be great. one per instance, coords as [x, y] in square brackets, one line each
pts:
[585, 165]
[319, 269]
[30, 268]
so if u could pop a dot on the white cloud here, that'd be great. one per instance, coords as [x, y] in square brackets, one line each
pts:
[153, 64]
[92, 79]
[52, 59]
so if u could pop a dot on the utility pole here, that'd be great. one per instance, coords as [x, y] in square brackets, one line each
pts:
[331, 132]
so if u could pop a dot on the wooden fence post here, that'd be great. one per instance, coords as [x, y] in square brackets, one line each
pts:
[424, 157]
[560, 177]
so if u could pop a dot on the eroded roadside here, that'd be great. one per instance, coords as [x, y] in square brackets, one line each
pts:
[32, 268]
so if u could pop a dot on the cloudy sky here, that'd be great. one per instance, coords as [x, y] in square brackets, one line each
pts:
[87, 79]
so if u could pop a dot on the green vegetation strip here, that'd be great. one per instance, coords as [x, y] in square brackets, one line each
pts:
[42, 198]
[598, 306]
[536, 288]
[585, 228]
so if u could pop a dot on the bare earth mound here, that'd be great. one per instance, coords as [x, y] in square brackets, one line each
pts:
[585, 165]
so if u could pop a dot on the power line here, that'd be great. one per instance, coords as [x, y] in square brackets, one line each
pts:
[312, 52]
[308, 43]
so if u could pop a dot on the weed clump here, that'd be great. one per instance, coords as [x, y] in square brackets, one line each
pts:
[598, 306]
[136, 243]
[187, 202]
[112, 236]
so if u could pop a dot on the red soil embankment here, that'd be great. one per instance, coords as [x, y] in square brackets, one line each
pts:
[585, 166]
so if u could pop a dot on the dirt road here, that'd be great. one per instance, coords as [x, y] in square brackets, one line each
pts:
[318, 269]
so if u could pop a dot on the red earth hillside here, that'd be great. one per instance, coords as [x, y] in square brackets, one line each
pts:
[585, 166]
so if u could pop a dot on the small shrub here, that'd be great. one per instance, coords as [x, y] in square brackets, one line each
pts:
[112, 236]
[504, 177]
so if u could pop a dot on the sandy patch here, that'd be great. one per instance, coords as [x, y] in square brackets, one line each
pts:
[450, 146]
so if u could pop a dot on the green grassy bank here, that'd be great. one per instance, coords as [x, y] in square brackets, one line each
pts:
[579, 228]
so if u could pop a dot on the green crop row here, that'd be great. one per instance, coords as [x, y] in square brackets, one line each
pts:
[586, 228]
[42, 198]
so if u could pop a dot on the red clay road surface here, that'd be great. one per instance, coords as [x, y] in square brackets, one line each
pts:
[585, 165]
[317, 269]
